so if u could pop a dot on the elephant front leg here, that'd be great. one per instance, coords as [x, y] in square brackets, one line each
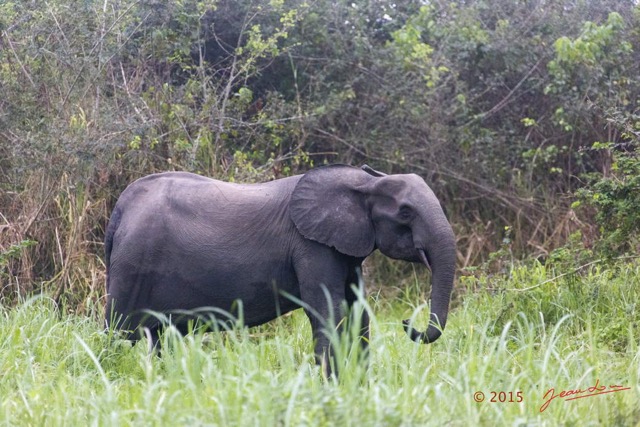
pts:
[323, 274]
[336, 319]
[334, 316]
[358, 315]
[325, 312]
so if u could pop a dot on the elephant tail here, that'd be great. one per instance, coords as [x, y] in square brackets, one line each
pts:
[114, 222]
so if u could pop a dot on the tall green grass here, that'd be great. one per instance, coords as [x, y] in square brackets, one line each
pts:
[527, 332]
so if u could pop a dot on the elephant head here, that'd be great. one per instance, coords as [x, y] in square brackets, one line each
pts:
[357, 211]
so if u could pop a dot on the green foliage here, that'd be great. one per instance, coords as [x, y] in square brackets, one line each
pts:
[136, 77]
[491, 102]
[592, 45]
[12, 252]
[616, 199]
[569, 296]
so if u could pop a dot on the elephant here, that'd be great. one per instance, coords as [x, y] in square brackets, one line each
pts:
[178, 241]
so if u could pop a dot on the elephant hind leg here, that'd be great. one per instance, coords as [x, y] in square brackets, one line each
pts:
[114, 317]
[153, 340]
[133, 327]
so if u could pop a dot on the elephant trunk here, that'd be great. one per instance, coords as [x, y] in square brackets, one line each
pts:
[440, 257]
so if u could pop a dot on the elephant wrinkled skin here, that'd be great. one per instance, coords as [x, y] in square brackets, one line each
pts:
[178, 241]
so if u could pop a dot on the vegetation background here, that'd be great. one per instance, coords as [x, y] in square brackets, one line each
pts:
[523, 116]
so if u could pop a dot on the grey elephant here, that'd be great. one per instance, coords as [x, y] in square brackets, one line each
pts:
[178, 241]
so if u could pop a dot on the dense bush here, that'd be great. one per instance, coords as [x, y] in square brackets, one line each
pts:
[493, 102]
[616, 199]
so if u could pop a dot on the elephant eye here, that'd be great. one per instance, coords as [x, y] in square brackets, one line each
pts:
[405, 213]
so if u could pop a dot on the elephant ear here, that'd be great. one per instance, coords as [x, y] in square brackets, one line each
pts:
[328, 205]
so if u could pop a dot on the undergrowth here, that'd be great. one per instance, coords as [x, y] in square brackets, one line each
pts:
[527, 331]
